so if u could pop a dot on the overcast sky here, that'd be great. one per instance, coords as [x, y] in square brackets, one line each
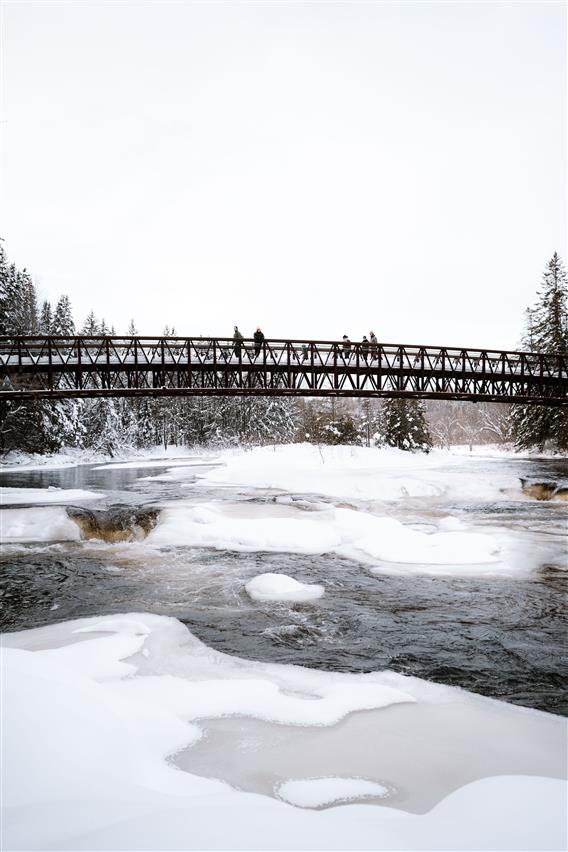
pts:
[313, 168]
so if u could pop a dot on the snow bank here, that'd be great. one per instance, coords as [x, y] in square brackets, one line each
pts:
[45, 524]
[344, 472]
[358, 473]
[249, 527]
[15, 496]
[92, 708]
[279, 587]
[315, 792]
[209, 526]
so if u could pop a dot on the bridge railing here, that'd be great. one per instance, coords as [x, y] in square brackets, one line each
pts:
[87, 352]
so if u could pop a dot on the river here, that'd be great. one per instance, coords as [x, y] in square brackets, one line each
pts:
[500, 634]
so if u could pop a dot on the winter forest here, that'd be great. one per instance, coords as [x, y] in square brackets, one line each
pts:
[113, 425]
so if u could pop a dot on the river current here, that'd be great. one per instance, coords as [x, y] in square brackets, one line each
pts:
[499, 635]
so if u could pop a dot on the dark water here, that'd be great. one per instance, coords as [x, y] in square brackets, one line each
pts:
[502, 636]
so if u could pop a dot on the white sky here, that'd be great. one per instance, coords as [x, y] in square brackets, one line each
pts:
[315, 168]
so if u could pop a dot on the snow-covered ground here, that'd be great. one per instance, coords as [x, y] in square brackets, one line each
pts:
[110, 723]
[93, 708]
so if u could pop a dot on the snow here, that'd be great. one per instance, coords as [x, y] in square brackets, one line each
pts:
[15, 496]
[315, 792]
[94, 710]
[279, 587]
[38, 524]
[356, 534]
[337, 471]
[357, 473]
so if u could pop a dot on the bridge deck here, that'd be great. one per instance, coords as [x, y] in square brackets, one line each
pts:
[58, 367]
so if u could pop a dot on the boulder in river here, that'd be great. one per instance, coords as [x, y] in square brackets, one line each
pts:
[117, 523]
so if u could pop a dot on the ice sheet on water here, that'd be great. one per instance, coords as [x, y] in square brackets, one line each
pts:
[285, 528]
[15, 496]
[186, 461]
[92, 709]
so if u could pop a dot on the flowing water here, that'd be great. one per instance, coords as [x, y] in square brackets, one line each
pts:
[501, 635]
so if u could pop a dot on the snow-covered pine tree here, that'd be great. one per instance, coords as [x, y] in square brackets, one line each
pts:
[46, 318]
[546, 331]
[63, 323]
[91, 326]
[403, 425]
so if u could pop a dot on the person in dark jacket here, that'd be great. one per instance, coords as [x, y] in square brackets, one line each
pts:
[238, 340]
[365, 347]
[258, 341]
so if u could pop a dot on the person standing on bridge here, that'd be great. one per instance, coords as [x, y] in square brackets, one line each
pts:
[346, 347]
[238, 340]
[374, 344]
[258, 341]
[365, 347]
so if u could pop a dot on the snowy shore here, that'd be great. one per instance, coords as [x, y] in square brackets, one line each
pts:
[94, 710]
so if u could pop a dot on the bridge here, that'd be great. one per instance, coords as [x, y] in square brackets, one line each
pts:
[49, 367]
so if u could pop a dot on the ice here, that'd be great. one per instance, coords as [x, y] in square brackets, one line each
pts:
[359, 535]
[210, 526]
[93, 711]
[357, 473]
[189, 461]
[315, 792]
[45, 524]
[279, 587]
[15, 496]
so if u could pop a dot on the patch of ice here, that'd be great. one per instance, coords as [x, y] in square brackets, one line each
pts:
[279, 587]
[45, 524]
[15, 496]
[316, 792]
[210, 526]
[284, 528]
[190, 461]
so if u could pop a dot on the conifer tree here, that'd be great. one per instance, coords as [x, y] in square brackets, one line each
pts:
[46, 318]
[545, 331]
[63, 323]
[403, 425]
[91, 325]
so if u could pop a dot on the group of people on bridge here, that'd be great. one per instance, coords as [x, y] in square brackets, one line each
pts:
[369, 345]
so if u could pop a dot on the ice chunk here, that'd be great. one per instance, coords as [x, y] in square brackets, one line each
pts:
[45, 524]
[280, 587]
[315, 792]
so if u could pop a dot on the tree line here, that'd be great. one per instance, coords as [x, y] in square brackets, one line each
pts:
[111, 425]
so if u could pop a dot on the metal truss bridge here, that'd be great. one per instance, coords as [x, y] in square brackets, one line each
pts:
[49, 367]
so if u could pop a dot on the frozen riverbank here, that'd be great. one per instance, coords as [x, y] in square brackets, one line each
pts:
[359, 566]
[93, 709]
